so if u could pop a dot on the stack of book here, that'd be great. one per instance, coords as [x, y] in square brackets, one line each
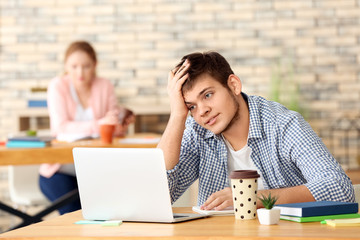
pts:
[318, 211]
[36, 97]
[28, 142]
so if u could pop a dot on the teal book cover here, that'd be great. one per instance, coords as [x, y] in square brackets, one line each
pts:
[26, 144]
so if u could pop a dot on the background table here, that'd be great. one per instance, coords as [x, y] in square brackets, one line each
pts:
[217, 227]
[61, 152]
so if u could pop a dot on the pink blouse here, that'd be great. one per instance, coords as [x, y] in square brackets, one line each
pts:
[62, 106]
[62, 110]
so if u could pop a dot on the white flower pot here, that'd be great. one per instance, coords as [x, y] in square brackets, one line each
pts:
[268, 216]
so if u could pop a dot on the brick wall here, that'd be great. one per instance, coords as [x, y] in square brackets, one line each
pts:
[315, 42]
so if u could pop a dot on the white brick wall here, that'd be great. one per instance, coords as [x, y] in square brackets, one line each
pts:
[139, 41]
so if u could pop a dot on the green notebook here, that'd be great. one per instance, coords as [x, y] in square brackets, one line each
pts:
[319, 218]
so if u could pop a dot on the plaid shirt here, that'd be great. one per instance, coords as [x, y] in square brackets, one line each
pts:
[285, 149]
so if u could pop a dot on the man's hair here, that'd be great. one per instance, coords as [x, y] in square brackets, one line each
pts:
[211, 63]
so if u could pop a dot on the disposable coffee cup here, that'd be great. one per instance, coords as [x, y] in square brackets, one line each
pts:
[244, 184]
[106, 133]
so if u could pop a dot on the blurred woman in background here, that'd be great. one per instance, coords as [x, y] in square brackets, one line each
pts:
[78, 102]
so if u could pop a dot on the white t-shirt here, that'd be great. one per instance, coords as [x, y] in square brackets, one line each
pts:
[241, 160]
[82, 114]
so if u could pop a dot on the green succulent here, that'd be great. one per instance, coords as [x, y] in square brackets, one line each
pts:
[31, 133]
[269, 201]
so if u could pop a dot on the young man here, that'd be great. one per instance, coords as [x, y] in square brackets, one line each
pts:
[228, 130]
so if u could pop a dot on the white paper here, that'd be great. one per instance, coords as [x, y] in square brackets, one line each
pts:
[72, 137]
[144, 140]
[226, 211]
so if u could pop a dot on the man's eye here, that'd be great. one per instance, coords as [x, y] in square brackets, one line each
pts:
[208, 95]
[191, 108]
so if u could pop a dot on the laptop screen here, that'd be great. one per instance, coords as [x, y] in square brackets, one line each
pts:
[123, 183]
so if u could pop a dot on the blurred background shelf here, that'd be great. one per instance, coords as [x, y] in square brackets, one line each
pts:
[148, 119]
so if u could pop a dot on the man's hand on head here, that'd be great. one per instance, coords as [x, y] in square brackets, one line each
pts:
[219, 200]
[176, 79]
[170, 141]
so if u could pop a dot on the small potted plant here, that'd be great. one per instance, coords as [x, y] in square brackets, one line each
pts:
[268, 215]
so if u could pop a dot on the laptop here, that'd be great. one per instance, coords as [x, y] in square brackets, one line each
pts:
[128, 184]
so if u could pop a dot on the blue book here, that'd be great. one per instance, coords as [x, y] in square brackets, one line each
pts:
[37, 103]
[31, 138]
[320, 208]
[26, 144]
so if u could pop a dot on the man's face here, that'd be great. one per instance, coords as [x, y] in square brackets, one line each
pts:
[212, 105]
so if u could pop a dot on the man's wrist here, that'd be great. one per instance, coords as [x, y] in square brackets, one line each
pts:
[178, 117]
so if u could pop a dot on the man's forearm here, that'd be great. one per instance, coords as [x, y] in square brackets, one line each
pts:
[288, 195]
[170, 141]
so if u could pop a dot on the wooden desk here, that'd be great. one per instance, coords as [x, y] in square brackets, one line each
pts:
[61, 152]
[219, 227]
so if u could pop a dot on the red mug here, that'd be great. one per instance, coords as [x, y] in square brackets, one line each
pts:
[106, 133]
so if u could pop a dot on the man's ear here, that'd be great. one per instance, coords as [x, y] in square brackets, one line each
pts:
[234, 84]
